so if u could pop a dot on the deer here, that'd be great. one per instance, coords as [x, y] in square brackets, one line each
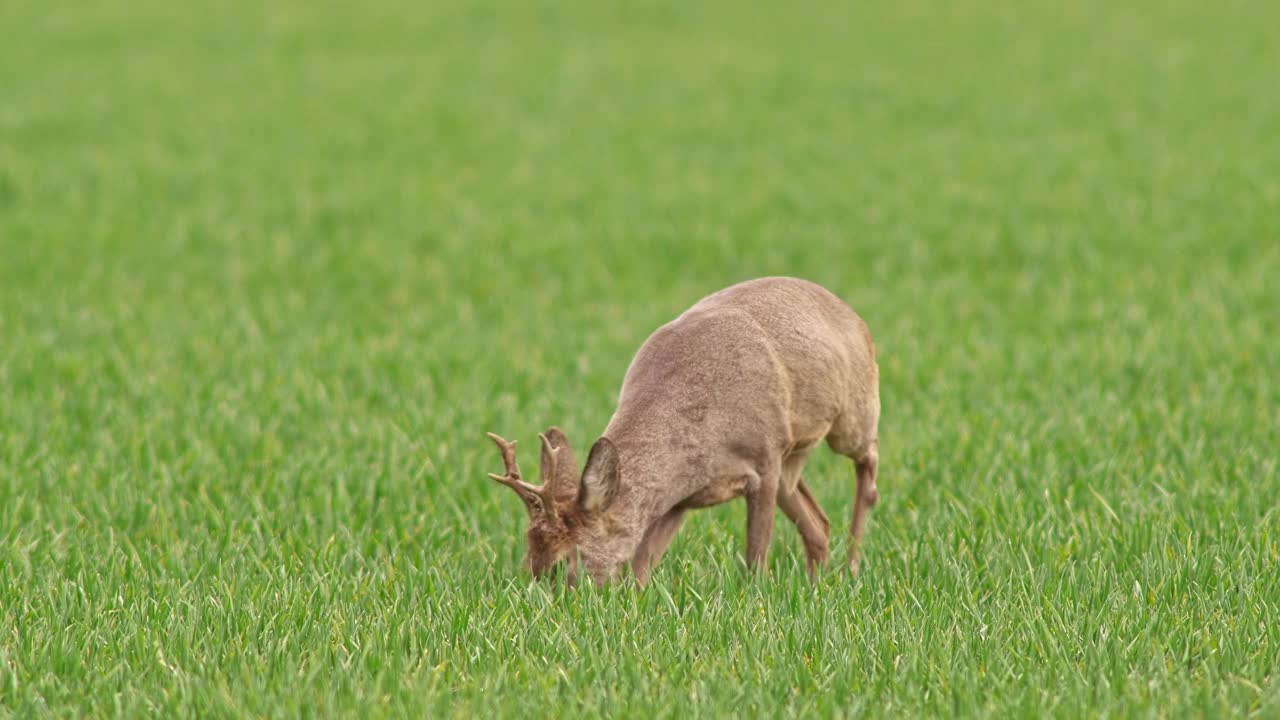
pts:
[725, 401]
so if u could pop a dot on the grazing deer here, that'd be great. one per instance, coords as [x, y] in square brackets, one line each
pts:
[726, 400]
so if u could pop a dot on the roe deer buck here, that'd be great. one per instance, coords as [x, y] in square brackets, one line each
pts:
[726, 400]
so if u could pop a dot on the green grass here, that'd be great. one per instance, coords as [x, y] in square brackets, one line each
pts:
[268, 274]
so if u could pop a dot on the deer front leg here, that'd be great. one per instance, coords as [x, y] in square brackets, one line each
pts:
[762, 499]
[656, 541]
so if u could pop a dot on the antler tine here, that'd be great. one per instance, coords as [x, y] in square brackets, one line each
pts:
[559, 469]
[513, 478]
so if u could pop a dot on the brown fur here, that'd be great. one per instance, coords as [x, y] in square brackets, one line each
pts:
[725, 401]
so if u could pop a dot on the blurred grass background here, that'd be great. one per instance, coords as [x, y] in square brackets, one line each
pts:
[268, 273]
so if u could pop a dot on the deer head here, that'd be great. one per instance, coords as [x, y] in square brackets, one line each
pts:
[564, 509]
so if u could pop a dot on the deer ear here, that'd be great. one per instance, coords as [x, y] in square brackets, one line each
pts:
[600, 477]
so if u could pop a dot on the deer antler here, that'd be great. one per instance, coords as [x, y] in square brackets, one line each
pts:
[531, 494]
[559, 468]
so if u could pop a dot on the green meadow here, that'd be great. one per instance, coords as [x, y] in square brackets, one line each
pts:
[269, 272]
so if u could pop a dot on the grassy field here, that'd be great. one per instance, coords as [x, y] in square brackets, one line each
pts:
[268, 272]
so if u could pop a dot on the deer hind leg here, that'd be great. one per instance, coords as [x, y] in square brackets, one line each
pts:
[866, 498]
[762, 500]
[798, 505]
[849, 439]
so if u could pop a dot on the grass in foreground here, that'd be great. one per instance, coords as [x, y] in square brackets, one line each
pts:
[267, 275]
